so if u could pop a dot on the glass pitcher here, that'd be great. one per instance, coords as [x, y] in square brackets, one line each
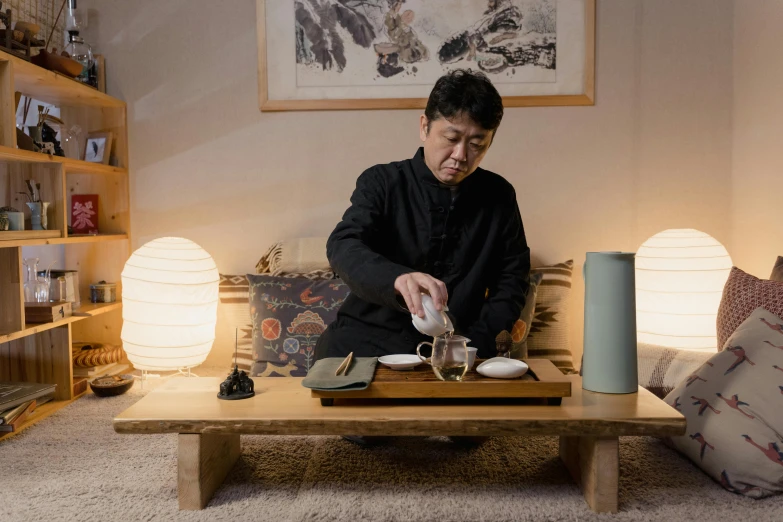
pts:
[449, 356]
[35, 290]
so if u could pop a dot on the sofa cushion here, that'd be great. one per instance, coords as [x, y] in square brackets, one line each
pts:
[289, 314]
[742, 294]
[732, 405]
[548, 337]
[521, 328]
[777, 270]
[661, 368]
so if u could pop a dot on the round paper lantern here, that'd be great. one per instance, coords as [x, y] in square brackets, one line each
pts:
[680, 275]
[169, 305]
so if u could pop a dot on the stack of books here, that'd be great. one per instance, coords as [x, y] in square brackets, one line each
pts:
[99, 371]
[19, 399]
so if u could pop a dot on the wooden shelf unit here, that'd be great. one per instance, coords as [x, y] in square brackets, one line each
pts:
[42, 352]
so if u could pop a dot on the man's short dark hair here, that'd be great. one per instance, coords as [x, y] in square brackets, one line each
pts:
[463, 92]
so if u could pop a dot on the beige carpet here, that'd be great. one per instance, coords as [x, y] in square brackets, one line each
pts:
[73, 467]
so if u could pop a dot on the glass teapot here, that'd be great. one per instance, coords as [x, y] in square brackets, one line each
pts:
[449, 356]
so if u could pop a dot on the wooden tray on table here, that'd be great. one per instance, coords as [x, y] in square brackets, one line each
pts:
[543, 380]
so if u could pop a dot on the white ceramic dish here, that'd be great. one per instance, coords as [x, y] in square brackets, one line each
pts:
[502, 368]
[400, 361]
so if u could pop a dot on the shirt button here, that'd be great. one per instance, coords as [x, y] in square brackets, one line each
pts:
[444, 236]
[441, 210]
[451, 207]
[438, 264]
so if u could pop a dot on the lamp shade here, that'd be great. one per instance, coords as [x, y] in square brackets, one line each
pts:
[169, 310]
[680, 275]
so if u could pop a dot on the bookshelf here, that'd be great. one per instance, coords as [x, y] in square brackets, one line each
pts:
[42, 352]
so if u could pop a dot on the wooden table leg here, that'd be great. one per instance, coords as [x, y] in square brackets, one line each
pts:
[594, 462]
[204, 460]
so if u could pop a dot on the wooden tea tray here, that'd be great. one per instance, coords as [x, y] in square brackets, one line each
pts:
[543, 380]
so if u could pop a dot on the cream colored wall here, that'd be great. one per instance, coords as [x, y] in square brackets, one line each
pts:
[757, 167]
[653, 153]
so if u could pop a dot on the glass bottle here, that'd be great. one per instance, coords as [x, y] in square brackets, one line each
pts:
[82, 53]
[35, 290]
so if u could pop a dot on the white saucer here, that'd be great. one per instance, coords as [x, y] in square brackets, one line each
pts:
[400, 361]
[502, 368]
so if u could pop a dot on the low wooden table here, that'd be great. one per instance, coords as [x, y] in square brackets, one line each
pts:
[587, 423]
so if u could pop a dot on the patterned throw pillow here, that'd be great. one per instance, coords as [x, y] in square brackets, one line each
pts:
[289, 314]
[742, 294]
[733, 407]
[521, 328]
[777, 270]
[661, 368]
[548, 337]
[234, 324]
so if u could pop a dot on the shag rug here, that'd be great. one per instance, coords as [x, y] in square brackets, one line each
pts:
[72, 466]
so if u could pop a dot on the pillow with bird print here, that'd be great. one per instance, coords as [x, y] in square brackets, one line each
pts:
[733, 406]
[289, 314]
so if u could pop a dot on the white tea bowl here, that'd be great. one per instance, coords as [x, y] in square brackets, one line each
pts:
[434, 322]
[502, 368]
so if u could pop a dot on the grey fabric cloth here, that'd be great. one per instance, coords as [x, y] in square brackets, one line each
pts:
[322, 377]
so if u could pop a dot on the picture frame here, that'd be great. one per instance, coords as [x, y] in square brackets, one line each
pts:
[97, 148]
[387, 54]
[84, 214]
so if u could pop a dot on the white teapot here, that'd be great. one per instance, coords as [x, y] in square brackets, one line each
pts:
[435, 322]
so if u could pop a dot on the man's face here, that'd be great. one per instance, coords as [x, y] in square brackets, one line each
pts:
[453, 148]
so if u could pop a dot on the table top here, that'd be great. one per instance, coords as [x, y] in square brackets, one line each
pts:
[282, 406]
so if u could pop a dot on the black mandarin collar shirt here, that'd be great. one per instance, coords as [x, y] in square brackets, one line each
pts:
[402, 219]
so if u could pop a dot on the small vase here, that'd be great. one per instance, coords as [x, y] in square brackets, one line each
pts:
[38, 210]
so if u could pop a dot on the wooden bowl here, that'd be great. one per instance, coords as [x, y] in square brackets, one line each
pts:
[109, 386]
[27, 26]
[57, 63]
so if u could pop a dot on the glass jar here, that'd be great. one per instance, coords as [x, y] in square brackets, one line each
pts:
[82, 53]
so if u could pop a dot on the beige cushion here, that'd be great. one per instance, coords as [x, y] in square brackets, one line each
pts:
[548, 337]
[733, 406]
[777, 270]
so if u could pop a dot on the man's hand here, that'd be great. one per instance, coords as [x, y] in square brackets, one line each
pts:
[410, 287]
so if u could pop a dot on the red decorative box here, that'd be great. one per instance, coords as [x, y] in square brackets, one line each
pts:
[84, 213]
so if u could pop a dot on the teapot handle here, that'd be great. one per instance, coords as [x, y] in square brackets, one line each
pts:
[418, 346]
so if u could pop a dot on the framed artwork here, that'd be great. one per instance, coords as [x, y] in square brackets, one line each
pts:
[84, 213]
[387, 54]
[98, 147]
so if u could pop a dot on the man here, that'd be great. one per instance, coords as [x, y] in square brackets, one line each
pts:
[435, 224]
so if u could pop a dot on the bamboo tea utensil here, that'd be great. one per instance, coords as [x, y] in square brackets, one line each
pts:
[344, 365]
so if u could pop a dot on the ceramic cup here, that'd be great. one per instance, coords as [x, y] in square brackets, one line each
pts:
[15, 220]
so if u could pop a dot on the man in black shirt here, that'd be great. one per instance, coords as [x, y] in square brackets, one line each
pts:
[435, 224]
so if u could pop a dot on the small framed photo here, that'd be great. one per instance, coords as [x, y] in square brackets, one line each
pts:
[84, 213]
[98, 147]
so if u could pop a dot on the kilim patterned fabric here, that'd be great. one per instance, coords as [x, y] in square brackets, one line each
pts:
[661, 368]
[732, 407]
[233, 314]
[777, 271]
[548, 337]
[742, 294]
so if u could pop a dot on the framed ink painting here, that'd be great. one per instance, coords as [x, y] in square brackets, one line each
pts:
[387, 54]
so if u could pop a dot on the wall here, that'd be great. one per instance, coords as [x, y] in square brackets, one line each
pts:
[653, 153]
[757, 166]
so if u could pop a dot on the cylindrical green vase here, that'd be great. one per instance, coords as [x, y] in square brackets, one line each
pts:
[609, 363]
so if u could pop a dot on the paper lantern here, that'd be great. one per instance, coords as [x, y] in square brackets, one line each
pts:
[169, 305]
[680, 275]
